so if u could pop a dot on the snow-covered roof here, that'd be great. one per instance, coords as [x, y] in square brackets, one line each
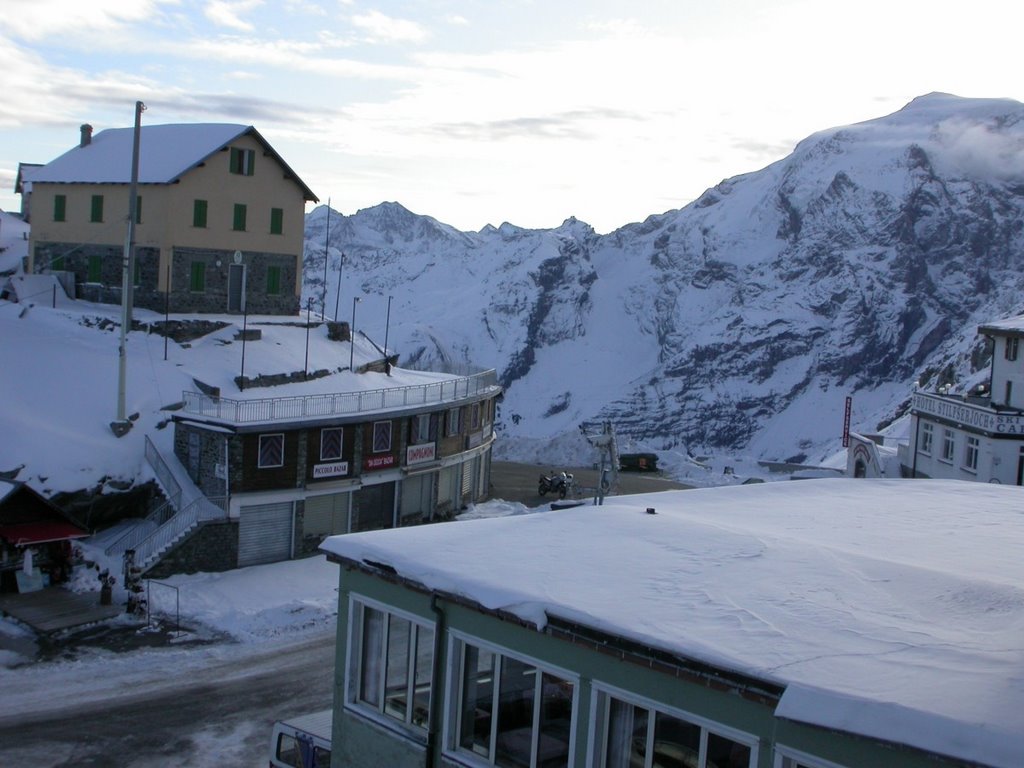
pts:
[166, 152]
[889, 608]
[1008, 326]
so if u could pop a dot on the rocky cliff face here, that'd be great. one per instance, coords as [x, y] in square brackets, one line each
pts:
[860, 263]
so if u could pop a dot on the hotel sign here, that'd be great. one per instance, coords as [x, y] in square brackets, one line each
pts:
[332, 469]
[968, 415]
[417, 454]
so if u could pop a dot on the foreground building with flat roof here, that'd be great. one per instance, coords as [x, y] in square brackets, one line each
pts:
[789, 625]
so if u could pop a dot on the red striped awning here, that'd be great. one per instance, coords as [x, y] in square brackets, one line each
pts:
[22, 534]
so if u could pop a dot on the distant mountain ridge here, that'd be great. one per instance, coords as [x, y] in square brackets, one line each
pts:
[738, 324]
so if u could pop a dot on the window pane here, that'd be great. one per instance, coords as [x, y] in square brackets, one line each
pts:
[381, 436]
[627, 735]
[477, 700]
[422, 675]
[515, 713]
[330, 443]
[726, 753]
[288, 750]
[676, 742]
[370, 656]
[555, 722]
[396, 681]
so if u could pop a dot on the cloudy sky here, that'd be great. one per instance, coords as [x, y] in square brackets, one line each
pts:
[484, 111]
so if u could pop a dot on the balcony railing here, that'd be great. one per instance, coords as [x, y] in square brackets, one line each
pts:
[272, 409]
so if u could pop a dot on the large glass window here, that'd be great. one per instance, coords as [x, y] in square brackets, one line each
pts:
[454, 422]
[1012, 345]
[927, 434]
[422, 429]
[632, 735]
[971, 454]
[948, 445]
[393, 666]
[511, 712]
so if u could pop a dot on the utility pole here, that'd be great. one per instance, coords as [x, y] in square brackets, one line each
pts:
[327, 260]
[121, 425]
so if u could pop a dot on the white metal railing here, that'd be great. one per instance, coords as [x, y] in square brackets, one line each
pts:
[163, 474]
[272, 409]
[199, 510]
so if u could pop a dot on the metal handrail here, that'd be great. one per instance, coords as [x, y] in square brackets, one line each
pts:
[272, 409]
[199, 510]
[163, 473]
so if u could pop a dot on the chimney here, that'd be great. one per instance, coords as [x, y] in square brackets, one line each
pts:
[86, 135]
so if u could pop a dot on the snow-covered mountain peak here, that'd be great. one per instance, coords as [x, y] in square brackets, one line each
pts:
[740, 322]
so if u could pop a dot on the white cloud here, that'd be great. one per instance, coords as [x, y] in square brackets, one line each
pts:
[228, 13]
[39, 19]
[387, 29]
[457, 21]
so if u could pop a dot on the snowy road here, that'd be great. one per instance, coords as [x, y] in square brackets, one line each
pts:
[214, 707]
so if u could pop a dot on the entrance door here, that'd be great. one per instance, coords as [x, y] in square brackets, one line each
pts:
[236, 287]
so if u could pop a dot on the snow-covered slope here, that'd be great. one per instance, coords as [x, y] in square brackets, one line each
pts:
[738, 324]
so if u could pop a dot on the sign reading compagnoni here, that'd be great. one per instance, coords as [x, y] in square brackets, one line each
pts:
[417, 454]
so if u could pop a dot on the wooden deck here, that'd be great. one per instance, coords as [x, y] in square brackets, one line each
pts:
[53, 609]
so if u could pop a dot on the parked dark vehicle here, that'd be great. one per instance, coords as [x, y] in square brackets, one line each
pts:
[560, 484]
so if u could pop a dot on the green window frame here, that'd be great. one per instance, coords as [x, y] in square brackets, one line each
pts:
[273, 280]
[96, 209]
[94, 271]
[276, 221]
[197, 275]
[242, 161]
[238, 223]
[199, 208]
[60, 207]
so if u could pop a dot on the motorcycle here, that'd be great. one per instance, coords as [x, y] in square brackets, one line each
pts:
[560, 484]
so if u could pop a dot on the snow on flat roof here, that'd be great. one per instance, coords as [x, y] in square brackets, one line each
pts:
[1009, 324]
[893, 609]
[165, 152]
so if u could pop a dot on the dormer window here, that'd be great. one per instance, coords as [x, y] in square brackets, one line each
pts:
[242, 161]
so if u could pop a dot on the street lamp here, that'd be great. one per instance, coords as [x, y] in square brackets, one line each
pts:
[387, 327]
[352, 332]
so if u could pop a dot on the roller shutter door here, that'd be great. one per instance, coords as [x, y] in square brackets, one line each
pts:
[264, 534]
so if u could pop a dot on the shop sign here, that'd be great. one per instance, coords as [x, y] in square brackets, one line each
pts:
[417, 454]
[332, 469]
[379, 462]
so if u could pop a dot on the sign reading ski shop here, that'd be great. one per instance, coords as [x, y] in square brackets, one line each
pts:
[379, 462]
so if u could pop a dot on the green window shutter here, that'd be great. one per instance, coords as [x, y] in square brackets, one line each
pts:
[137, 277]
[276, 221]
[138, 209]
[250, 157]
[96, 214]
[273, 280]
[95, 269]
[60, 207]
[197, 284]
[199, 214]
[235, 161]
[239, 222]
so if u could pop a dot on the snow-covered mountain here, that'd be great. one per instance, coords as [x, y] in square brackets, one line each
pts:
[736, 325]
